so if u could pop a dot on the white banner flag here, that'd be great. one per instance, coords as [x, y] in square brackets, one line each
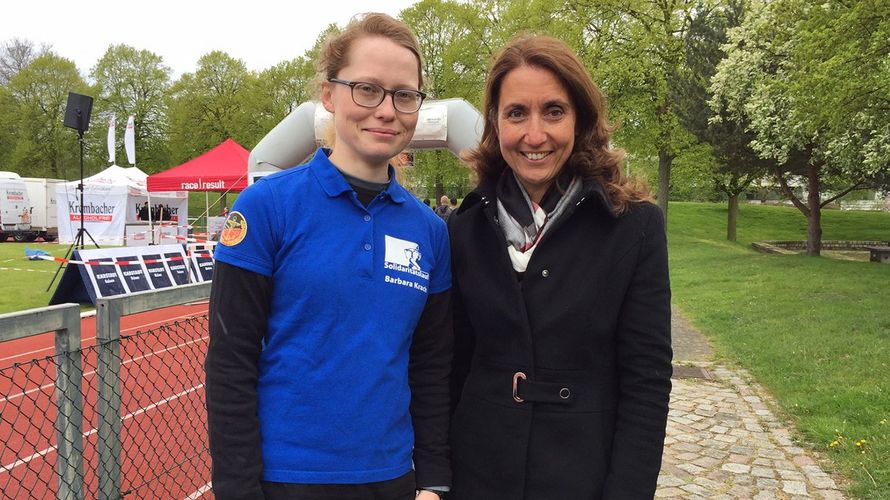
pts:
[130, 141]
[111, 125]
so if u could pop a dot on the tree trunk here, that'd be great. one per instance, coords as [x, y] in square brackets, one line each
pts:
[664, 180]
[732, 216]
[814, 219]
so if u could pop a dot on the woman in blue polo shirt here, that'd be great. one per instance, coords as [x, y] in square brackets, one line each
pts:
[330, 334]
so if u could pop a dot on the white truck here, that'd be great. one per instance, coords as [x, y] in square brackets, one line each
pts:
[44, 213]
[15, 208]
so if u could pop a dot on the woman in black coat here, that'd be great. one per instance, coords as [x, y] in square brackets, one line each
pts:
[562, 299]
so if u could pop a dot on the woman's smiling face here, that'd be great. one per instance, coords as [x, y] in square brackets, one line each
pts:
[536, 127]
[369, 137]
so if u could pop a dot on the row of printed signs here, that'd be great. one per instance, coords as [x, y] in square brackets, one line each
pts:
[139, 269]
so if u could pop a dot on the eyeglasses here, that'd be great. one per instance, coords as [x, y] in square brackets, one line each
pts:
[371, 95]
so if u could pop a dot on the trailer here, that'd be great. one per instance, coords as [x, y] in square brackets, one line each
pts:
[44, 213]
[15, 208]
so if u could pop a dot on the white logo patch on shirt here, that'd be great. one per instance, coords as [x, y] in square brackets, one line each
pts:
[404, 256]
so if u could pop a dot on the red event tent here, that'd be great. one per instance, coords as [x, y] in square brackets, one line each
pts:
[223, 168]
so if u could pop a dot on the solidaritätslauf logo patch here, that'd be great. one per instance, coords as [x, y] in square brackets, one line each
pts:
[234, 230]
[404, 256]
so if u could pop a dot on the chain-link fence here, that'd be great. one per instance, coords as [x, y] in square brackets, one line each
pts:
[28, 430]
[124, 417]
[41, 414]
[164, 422]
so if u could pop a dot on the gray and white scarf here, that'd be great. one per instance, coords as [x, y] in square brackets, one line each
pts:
[523, 221]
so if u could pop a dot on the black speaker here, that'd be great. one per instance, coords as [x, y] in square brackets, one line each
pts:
[77, 113]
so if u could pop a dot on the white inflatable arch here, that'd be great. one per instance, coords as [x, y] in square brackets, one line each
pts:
[452, 124]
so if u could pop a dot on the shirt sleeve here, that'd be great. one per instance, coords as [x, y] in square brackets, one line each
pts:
[239, 307]
[429, 368]
[440, 275]
[249, 237]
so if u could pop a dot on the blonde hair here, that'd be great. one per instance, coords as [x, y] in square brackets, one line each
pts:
[334, 54]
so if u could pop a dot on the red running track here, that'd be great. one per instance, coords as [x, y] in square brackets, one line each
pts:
[163, 428]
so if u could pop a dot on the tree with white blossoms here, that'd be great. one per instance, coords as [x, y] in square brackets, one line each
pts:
[811, 79]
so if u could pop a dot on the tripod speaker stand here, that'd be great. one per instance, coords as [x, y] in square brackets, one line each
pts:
[77, 116]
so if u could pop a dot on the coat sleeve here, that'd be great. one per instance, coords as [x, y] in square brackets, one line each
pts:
[644, 369]
[239, 307]
[429, 367]
[464, 344]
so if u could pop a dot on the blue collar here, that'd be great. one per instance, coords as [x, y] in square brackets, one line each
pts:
[334, 184]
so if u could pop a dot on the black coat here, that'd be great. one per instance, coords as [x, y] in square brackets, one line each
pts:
[589, 328]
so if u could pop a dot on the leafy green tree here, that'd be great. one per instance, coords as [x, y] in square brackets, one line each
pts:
[278, 91]
[7, 128]
[450, 69]
[134, 82]
[790, 57]
[844, 56]
[34, 103]
[635, 49]
[736, 164]
[210, 106]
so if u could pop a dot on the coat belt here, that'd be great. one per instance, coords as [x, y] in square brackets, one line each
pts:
[584, 391]
[540, 392]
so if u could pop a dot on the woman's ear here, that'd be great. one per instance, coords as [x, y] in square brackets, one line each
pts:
[327, 99]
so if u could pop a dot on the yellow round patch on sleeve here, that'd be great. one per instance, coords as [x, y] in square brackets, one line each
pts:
[234, 231]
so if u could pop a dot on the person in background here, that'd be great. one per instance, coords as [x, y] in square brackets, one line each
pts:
[427, 202]
[443, 210]
[562, 358]
[330, 318]
[453, 202]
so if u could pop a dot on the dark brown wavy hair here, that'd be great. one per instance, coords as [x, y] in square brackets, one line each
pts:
[592, 157]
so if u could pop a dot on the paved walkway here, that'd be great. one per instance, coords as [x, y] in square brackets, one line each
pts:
[723, 441]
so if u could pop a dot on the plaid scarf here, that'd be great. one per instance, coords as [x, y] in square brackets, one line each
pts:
[523, 221]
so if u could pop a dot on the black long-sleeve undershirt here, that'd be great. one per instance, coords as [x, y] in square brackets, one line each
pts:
[239, 307]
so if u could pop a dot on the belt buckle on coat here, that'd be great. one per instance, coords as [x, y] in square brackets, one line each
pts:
[516, 377]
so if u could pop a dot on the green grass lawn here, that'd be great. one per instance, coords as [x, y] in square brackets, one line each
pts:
[814, 331]
[19, 289]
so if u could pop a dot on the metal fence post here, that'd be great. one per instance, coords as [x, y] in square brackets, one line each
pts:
[64, 320]
[108, 335]
[69, 416]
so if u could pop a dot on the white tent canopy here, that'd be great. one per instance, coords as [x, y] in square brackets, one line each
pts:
[111, 199]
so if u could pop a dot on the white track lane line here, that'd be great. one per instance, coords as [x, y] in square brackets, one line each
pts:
[198, 494]
[23, 461]
[91, 372]
[52, 348]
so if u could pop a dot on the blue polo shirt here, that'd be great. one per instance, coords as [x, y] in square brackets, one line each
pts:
[349, 286]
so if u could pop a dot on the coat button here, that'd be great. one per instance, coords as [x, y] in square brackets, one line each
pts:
[367, 218]
[367, 246]
[564, 393]
[545, 273]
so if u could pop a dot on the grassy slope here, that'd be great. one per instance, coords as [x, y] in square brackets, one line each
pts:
[814, 331]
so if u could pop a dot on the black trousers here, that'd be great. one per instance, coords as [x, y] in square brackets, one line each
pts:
[400, 488]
